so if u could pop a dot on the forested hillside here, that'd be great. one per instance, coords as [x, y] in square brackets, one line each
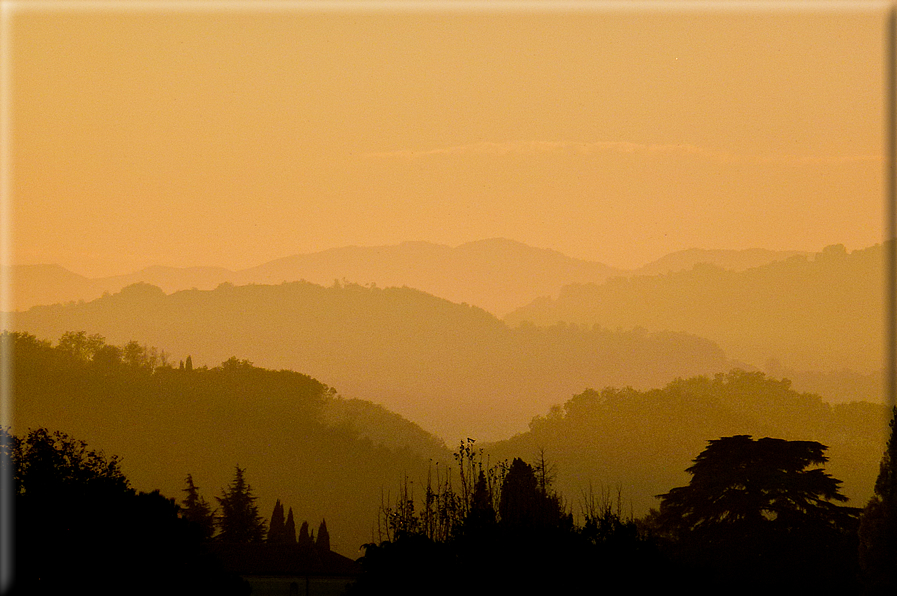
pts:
[824, 313]
[454, 369]
[331, 458]
[640, 442]
[294, 437]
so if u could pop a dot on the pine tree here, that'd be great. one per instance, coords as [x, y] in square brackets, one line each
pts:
[189, 363]
[196, 509]
[290, 528]
[322, 543]
[277, 527]
[240, 521]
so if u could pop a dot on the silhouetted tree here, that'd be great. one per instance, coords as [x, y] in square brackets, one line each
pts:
[240, 521]
[188, 365]
[527, 502]
[322, 542]
[277, 526]
[482, 513]
[519, 495]
[80, 528]
[753, 511]
[197, 510]
[878, 524]
[289, 529]
[304, 539]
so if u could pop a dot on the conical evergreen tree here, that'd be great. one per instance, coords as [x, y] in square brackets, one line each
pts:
[277, 527]
[188, 366]
[304, 538]
[323, 541]
[197, 510]
[240, 521]
[290, 528]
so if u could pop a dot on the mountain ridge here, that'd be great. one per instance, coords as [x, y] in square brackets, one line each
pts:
[497, 274]
[452, 368]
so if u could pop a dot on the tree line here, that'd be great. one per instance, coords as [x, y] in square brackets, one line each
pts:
[757, 515]
[239, 522]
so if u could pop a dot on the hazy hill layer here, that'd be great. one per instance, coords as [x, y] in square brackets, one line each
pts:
[498, 275]
[733, 260]
[288, 430]
[331, 458]
[819, 314]
[454, 369]
[641, 442]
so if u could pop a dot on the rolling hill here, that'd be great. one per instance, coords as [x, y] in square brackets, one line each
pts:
[454, 369]
[824, 313]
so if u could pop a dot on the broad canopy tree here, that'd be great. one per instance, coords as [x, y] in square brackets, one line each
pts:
[764, 508]
[737, 480]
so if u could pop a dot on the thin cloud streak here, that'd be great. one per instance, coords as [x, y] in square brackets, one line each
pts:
[501, 149]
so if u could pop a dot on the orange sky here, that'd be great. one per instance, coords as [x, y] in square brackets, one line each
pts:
[218, 134]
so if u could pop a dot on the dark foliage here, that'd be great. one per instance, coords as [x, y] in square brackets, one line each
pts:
[878, 525]
[289, 529]
[240, 522]
[755, 514]
[277, 525]
[532, 546]
[162, 421]
[196, 509]
[305, 540]
[80, 527]
[322, 542]
[527, 503]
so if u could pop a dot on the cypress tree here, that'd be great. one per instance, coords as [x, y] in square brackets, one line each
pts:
[304, 538]
[277, 527]
[323, 541]
[290, 528]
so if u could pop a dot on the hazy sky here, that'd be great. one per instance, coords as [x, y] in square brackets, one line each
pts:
[215, 134]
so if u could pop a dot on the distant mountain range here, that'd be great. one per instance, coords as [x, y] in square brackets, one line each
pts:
[498, 275]
[819, 313]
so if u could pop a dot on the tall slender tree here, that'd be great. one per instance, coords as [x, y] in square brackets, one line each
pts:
[322, 543]
[197, 510]
[240, 521]
[304, 538]
[277, 526]
[290, 528]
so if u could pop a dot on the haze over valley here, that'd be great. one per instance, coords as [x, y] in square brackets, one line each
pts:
[444, 364]
[484, 286]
